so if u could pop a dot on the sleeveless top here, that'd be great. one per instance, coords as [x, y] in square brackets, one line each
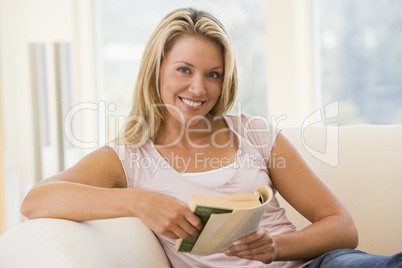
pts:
[146, 169]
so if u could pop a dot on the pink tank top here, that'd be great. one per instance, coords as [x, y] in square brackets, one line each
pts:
[146, 169]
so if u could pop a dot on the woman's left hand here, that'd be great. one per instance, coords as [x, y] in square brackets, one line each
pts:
[259, 246]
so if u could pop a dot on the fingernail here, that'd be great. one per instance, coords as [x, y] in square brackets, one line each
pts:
[227, 252]
[260, 232]
[237, 242]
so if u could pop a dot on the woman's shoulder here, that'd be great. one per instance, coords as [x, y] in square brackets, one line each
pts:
[248, 124]
[124, 148]
[257, 130]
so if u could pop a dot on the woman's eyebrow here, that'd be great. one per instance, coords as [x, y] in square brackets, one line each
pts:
[191, 65]
[180, 61]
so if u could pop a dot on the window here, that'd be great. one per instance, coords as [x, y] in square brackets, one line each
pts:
[361, 59]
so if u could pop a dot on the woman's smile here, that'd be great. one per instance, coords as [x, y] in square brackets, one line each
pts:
[191, 104]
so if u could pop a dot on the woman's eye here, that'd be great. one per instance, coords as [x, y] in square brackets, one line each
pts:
[183, 70]
[213, 75]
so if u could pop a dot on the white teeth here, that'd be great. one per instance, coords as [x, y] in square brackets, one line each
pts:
[192, 103]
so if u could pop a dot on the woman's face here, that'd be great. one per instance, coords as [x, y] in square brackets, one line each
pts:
[191, 77]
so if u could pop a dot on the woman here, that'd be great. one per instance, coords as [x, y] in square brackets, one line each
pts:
[178, 141]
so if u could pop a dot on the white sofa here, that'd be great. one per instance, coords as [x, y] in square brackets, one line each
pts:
[362, 164]
[54, 243]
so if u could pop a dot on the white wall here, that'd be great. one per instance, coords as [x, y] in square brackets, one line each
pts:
[3, 223]
[23, 22]
[291, 86]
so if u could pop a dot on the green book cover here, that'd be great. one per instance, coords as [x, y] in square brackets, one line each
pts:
[203, 213]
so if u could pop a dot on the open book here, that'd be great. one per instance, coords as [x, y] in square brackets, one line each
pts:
[225, 218]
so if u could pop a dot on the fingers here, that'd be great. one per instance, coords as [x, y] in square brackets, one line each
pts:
[257, 235]
[168, 216]
[191, 217]
[181, 222]
[256, 246]
[188, 225]
[193, 220]
[179, 232]
[249, 245]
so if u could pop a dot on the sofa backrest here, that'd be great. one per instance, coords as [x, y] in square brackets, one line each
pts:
[363, 166]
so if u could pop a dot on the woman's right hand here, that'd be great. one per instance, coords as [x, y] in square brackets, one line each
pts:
[167, 215]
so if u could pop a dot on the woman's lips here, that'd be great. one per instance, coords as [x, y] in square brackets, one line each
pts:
[190, 104]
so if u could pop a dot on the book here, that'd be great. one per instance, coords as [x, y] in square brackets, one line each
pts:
[225, 218]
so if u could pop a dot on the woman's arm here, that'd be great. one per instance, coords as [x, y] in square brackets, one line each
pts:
[95, 188]
[78, 193]
[332, 226]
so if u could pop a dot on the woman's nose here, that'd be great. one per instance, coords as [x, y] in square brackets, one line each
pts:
[197, 86]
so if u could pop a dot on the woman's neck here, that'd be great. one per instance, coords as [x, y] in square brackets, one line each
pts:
[175, 133]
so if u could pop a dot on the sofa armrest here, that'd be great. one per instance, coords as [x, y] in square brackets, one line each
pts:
[120, 242]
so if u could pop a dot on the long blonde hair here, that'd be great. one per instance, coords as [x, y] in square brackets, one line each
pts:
[148, 111]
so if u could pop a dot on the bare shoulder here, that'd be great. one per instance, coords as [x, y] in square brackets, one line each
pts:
[100, 168]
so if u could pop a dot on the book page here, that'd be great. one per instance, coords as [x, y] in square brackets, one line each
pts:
[222, 230]
[207, 236]
[246, 225]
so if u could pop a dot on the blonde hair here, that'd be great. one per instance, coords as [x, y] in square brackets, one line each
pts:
[148, 111]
